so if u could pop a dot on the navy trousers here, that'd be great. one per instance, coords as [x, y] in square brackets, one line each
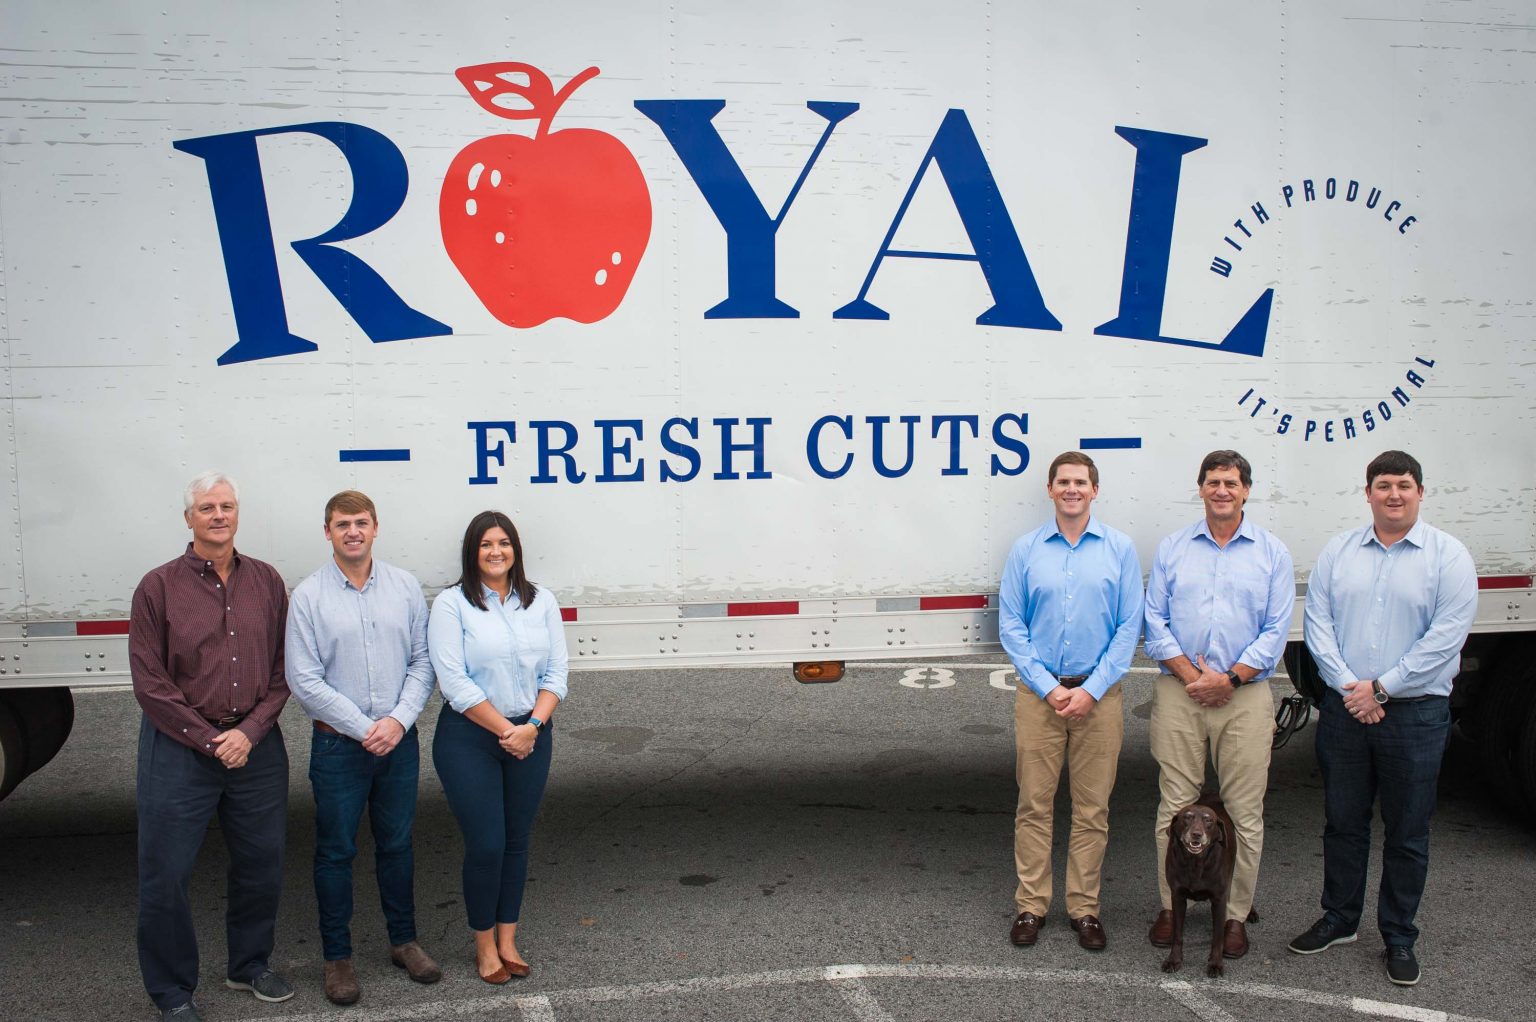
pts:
[495, 798]
[348, 779]
[1397, 759]
[179, 791]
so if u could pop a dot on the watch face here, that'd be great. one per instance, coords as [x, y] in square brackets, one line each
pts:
[1381, 696]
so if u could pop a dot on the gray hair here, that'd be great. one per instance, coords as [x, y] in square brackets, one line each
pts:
[205, 481]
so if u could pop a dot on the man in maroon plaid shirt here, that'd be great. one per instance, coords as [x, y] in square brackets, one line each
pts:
[206, 647]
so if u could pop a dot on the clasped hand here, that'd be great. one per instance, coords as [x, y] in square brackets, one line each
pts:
[518, 740]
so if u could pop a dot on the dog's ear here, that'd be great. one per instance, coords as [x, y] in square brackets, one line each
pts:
[1221, 828]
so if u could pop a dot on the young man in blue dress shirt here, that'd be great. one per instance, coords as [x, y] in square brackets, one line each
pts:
[1389, 606]
[357, 662]
[1219, 605]
[1069, 614]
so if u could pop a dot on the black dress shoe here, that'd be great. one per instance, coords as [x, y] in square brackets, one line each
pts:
[1026, 929]
[1090, 933]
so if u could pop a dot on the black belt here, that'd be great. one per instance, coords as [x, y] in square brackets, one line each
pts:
[227, 721]
[1070, 680]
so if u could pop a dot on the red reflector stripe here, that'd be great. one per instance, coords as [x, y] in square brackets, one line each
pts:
[567, 613]
[1504, 582]
[759, 609]
[952, 603]
[101, 628]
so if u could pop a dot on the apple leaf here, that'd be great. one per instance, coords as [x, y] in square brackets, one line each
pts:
[495, 87]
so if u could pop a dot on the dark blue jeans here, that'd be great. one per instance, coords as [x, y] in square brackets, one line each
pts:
[495, 798]
[347, 779]
[1398, 760]
[179, 791]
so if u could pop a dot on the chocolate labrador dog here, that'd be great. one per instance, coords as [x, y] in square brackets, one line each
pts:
[1201, 849]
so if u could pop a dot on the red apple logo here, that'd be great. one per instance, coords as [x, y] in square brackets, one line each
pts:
[552, 225]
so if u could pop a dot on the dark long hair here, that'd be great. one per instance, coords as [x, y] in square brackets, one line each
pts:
[469, 572]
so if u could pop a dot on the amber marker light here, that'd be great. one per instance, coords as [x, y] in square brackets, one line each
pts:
[816, 671]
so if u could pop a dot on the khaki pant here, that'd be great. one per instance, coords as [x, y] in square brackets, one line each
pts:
[1239, 735]
[1091, 750]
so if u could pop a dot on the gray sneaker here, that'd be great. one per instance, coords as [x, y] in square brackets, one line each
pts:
[269, 986]
[186, 1013]
[1321, 937]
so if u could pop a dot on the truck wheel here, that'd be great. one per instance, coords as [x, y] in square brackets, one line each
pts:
[13, 751]
[1502, 716]
[46, 716]
[1525, 760]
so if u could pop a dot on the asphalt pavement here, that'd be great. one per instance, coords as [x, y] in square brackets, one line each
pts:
[730, 844]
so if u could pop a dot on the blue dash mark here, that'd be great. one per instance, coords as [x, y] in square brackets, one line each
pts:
[1110, 443]
[377, 454]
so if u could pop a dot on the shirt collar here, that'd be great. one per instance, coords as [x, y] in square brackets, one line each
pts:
[1244, 529]
[1415, 536]
[203, 564]
[340, 577]
[1093, 529]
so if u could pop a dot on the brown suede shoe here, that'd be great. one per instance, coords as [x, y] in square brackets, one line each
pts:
[1090, 933]
[416, 962]
[1025, 930]
[1161, 934]
[1234, 940]
[341, 982]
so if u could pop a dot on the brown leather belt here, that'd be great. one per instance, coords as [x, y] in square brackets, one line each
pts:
[325, 728]
[1071, 680]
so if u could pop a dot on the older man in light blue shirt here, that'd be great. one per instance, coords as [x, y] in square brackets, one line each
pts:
[1389, 606]
[357, 661]
[1069, 613]
[1219, 605]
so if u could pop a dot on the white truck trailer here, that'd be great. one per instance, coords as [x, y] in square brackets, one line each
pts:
[764, 332]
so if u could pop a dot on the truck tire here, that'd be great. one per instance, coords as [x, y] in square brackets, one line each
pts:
[1525, 760]
[46, 716]
[13, 752]
[1502, 714]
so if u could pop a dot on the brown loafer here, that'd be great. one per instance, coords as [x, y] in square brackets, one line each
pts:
[1161, 934]
[1090, 933]
[416, 962]
[1025, 930]
[516, 969]
[1234, 940]
[341, 982]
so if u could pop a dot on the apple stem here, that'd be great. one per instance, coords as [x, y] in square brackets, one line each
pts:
[563, 95]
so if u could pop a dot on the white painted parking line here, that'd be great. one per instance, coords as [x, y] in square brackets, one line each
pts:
[536, 1009]
[1200, 1005]
[857, 996]
[849, 982]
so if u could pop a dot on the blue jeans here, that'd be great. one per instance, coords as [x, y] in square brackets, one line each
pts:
[347, 779]
[179, 792]
[1399, 760]
[495, 798]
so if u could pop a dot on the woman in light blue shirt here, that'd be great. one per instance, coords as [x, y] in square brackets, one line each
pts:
[498, 646]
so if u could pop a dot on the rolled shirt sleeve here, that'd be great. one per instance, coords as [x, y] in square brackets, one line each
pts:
[445, 641]
[419, 676]
[1128, 620]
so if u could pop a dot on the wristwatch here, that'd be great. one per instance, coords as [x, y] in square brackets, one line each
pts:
[1234, 679]
[537, 723]
[1379, 692]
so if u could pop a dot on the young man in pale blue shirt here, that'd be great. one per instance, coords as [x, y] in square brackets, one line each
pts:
[1389, 606]
[1219, 605]
[1069, 614]
[357, 661]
